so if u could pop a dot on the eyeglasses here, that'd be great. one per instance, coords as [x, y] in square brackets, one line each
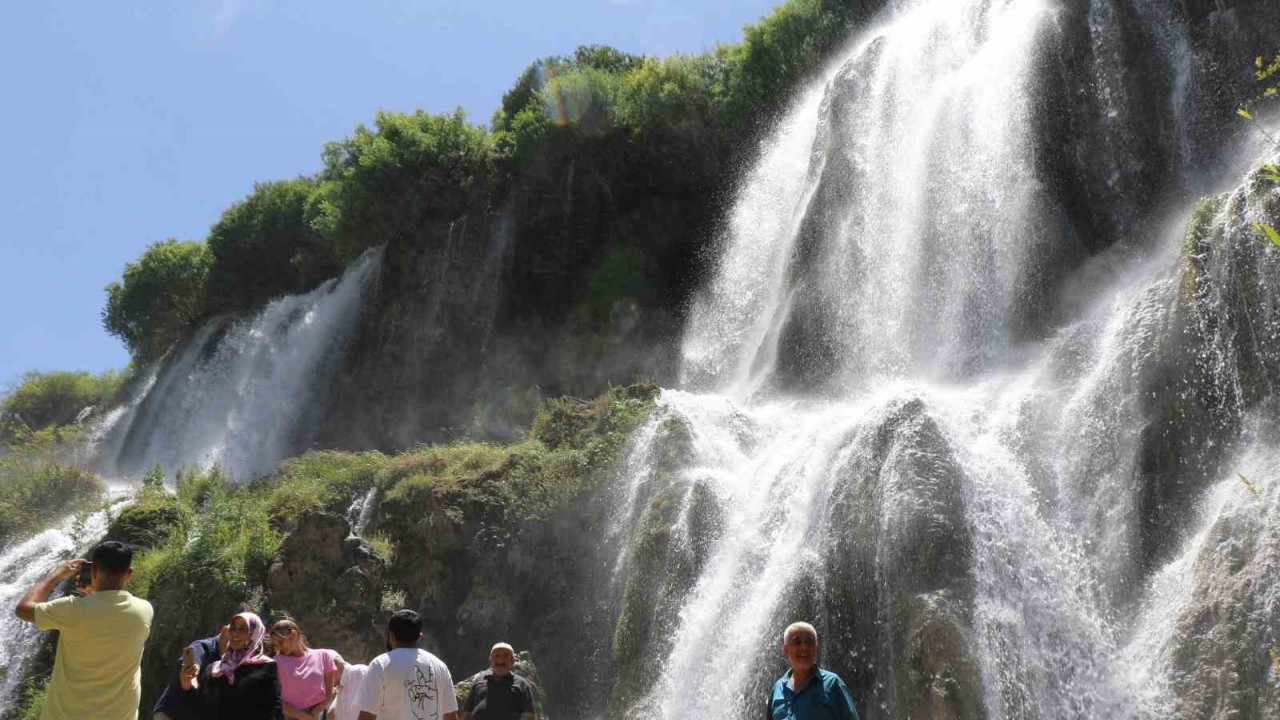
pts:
[235, 629]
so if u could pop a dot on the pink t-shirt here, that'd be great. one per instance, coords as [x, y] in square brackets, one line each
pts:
[302, 678]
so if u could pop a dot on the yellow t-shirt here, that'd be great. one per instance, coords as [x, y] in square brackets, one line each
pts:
[97, 671]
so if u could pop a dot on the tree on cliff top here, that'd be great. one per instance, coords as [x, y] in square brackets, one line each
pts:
[267, 245]
[159, 298]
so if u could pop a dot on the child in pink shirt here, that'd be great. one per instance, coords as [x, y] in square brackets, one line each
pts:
[308, 677]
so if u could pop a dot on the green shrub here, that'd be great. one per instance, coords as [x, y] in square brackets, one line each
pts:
[268, 245]
[411, 168]
[159, 299]
[323, 480]
[44, 400]
[30, 701]
[41, 482]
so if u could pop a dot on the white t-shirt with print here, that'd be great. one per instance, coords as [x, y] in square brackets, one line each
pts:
[408, 684]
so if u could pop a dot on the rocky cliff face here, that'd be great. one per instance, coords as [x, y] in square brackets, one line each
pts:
[576, 279]
[331, 583]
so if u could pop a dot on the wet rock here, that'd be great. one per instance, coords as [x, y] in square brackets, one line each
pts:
[896, 591]
[149, 522]
[943, 682]
[1218, 358]
[331, 584]
[1226, 650]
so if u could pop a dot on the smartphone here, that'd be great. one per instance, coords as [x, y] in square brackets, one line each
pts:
[189, 660]
[84, 577]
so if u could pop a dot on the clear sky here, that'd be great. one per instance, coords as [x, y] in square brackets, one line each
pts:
[129, 122]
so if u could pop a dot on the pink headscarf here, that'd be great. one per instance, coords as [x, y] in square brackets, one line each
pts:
[250, 655]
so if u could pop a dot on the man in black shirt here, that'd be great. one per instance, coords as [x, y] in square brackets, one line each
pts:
[497, 693]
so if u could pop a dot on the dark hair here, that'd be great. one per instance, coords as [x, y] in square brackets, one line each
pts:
[405, 626]
[112, 556]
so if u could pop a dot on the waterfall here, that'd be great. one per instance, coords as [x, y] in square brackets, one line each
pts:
[242, 394]
[959, 427]
[904, 243]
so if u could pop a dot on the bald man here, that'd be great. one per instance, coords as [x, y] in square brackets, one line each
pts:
[806, 691]
[498, 693]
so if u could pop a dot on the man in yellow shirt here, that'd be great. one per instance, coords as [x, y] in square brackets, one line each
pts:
[96, 673]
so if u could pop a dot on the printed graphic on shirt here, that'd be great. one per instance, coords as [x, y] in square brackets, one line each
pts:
[421, 691]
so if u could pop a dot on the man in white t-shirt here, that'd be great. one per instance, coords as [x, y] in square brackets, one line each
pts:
[407, 682]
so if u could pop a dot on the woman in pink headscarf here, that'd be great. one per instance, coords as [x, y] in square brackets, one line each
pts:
[242, 684]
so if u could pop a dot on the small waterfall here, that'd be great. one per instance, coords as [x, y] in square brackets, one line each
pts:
[361, 511]
[243, 394]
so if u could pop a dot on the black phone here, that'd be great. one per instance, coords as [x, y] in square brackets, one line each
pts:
[84, 576]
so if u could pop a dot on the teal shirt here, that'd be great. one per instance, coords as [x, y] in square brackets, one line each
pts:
[824, 697]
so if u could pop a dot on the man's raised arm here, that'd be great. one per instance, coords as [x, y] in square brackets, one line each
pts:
[41, 591]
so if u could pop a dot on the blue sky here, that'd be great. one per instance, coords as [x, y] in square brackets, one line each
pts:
[129, 122]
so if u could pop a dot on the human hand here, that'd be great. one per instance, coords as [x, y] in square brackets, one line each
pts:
[67, 569]
[224, 638]
[188, 675]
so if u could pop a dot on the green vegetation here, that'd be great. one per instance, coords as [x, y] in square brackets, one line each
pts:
[387, 184]
[52, 399]
[1267, 73]
[570, 442]
[272, 242]
[30, 701]
[160, 298]
[42, 478]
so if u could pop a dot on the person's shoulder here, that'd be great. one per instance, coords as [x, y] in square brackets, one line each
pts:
[206, 647]
[830, 678]
[426, 656]
[141, 605]
[67, 601]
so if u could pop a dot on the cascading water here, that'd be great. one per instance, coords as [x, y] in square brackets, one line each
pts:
[961, 449]
[243, 395]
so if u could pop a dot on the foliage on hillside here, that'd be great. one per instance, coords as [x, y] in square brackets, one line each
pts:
[42, 481]
[382, 183]
[159, 298]
[49, 399]
[42, 477]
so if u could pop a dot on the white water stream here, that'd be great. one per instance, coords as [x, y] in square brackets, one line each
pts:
[243, 396]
